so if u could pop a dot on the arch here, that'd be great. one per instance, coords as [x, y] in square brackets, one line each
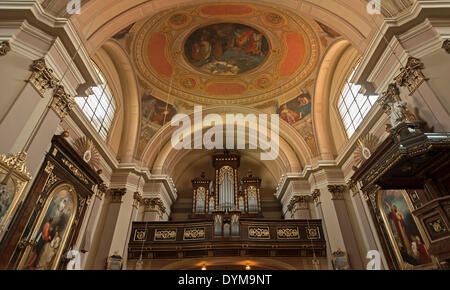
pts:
[128, 131]
[327, 127]
[160, 156]
[349, 20]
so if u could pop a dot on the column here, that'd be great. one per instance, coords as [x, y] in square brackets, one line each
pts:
[318, 205]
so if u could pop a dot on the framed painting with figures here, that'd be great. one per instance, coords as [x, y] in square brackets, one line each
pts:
[52, 230]
[14, 179]
[406, 237]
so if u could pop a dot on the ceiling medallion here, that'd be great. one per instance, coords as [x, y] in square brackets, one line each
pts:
[225, 53]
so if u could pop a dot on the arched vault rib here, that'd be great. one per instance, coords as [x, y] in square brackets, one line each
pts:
[293, 155]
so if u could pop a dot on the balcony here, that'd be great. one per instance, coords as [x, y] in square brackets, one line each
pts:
[253, 238]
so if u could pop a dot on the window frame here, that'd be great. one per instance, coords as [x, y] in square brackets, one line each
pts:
[100, 107]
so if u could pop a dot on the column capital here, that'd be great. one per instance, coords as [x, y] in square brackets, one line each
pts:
[116, 194]
[352, 185]
[300, 200]
[337, 191]
[154, 204]
[42, 77]
[137, 199]
[4, 48]
[62, 102]
[315, 195]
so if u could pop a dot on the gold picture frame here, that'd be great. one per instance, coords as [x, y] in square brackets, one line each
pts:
[42, 215]
[12, 193]
[395, 240]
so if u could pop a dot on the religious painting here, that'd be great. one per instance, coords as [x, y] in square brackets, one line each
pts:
[296, 109]
[156, 111]
[226, 48]
[12, 186]
[340, 260]
[404, 234]
[52, 230]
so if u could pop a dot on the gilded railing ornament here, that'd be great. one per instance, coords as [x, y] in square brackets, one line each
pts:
[411, 75]
[4, 48]
[337, 191]
[446, 45]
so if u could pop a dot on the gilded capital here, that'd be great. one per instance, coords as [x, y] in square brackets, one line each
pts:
[316, 195]
[137, 199]
[337, 191]
[300, 200]
[411, 75]
[4, 48]
[101, 190]
[42, 77]
[152, 204]
[352, 186]
[62, 102]
[116, 194]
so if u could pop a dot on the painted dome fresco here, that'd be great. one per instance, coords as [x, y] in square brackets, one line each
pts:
[225, 53]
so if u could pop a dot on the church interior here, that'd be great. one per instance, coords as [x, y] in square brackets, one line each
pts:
[356, 94]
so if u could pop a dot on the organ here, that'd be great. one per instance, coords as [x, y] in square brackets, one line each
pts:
[226, 192]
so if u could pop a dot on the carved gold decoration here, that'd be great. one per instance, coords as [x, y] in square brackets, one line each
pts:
[140, 235]
[137, 199]
[437, 226]
[77, 172]
[165, 235]
[42, 77]
[393, 106]
[312, 233]
[365, 148]
[116, 194]
[411, 75]
[352, 186]
[101, 190]
[154, 204]
[446, 45]
[62, 102]
[288, 233]
[194, 234]
[316, 195]
[252, 192]
[49, 168]
[337, 191]
[86, 149]
[258, 232]
[226, 169]
[4, 48]
[17, 163]
[52, 179]
[301, 200]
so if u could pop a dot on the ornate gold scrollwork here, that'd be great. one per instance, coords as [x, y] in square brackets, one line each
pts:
[165, 235]
[62, 102]
[230, 172]
[154, 204]
[17, 162]
[42, 77]
[288, 233]
[411, 75]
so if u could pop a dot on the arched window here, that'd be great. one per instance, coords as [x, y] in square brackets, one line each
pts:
[354, 106]
[99, 107]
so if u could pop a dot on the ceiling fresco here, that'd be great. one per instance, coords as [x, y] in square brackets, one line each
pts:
[226, 54]
[258, 56]
[226, 49]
